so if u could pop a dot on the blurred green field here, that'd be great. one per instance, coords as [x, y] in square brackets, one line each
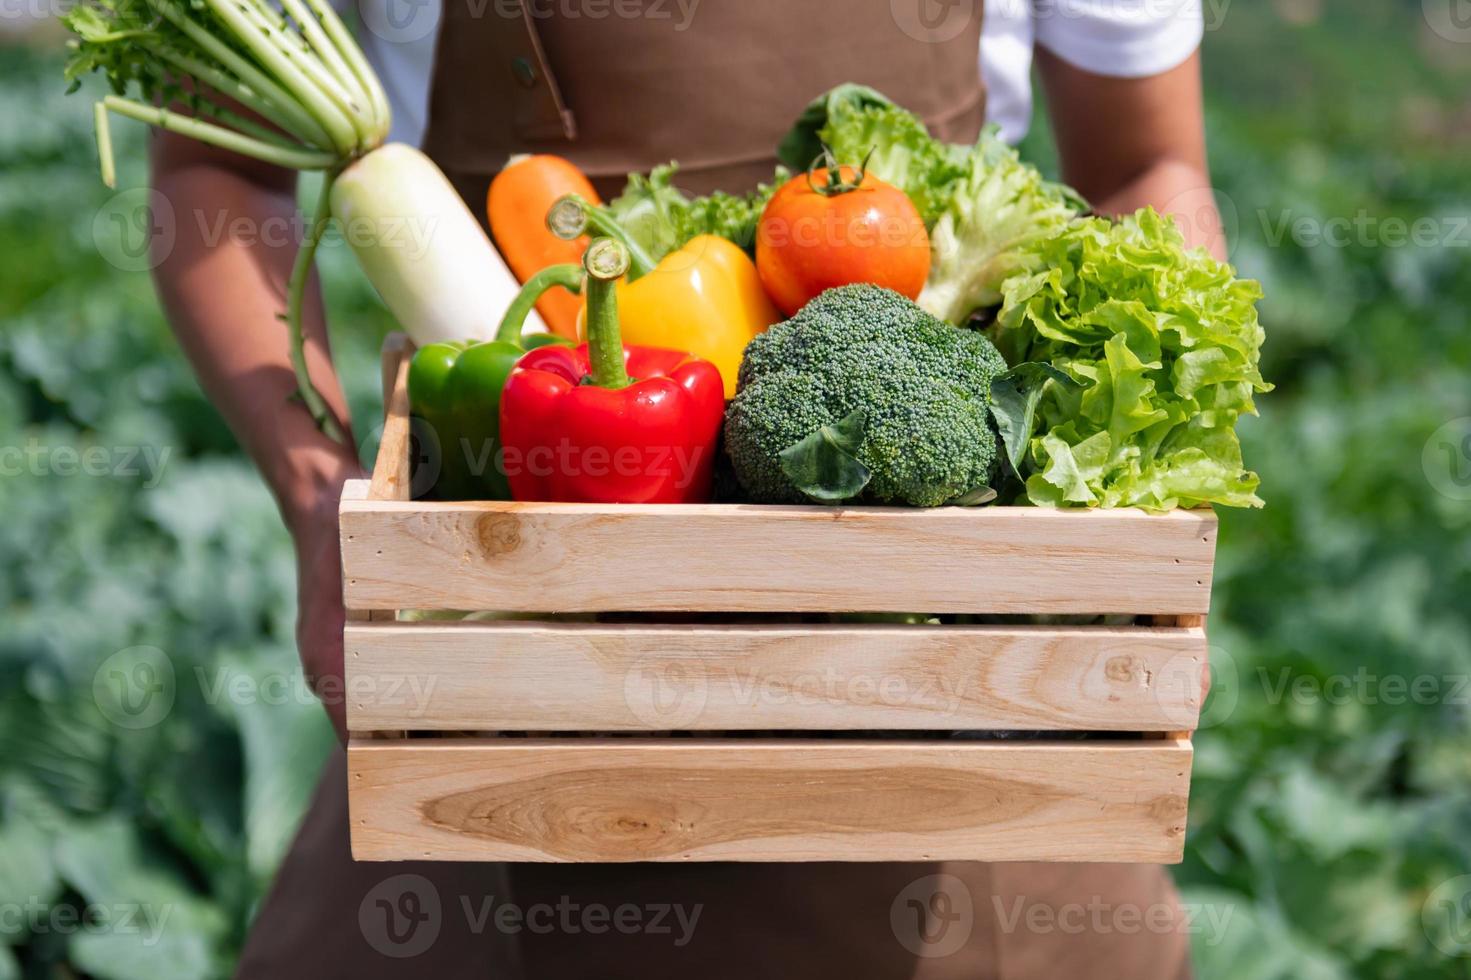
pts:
[1332, 797]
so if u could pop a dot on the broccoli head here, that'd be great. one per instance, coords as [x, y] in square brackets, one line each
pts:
[869, 379]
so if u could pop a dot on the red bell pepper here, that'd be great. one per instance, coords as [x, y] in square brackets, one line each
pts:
[605, 423]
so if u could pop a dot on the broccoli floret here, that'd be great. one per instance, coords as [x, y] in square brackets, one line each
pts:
[921, 387]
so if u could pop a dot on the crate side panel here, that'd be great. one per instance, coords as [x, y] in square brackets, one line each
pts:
[562, 677]
[735, 800]
[568, 558]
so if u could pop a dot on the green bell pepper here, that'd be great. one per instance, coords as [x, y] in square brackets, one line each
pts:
[455, 389]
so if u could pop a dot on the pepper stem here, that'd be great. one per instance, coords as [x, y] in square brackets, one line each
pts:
[572, 216]
[568, 275]
[606, 261]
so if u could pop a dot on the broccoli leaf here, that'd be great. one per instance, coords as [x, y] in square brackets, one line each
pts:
[825, 465]
[1015, 396]
[975, 498]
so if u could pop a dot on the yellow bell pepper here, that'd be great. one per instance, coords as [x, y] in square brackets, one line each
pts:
[705, 298]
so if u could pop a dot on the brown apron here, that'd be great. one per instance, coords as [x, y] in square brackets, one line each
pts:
[715, 89]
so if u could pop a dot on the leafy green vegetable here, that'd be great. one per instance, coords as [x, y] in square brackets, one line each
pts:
[984, 207]
[825, 466]
[994, 216]
[661, 218]
[1014, 400]
[856, 123]
[1168, 343]
[921, 386]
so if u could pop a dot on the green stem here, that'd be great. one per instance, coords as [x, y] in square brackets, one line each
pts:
[572, 216]
[348, 48]
[248, 74]
[296, 50]
[295, 303]
[249, 127]
[605, 261]
[220, 136]
[325, 50]
[235, 89]
[339, 127]
[103, 128]
[568, 276]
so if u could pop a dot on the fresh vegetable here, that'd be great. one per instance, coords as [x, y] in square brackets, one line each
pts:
[421, 248]
[516, 206]
[837, 225]
[605, 423]
[985, 208]
[455, 388]
[865, 396]
[855, 121]
[320, 107]
[705, 297]
[996, 212]
[1164, 343]
[660, 218]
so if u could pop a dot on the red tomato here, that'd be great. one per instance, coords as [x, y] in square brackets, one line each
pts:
[818, 232]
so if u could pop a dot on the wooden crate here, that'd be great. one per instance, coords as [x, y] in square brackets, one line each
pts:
[726, 737]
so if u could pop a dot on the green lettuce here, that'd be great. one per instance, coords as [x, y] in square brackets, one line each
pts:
[1165, 344]
[662, 218]
[995, 214]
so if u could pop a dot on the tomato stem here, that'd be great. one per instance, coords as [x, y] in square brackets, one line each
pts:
[836, 184]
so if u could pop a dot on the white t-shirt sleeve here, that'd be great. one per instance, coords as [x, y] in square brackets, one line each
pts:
[1121, 38]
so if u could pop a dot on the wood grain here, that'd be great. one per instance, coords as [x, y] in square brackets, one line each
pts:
[578, 557]
[562, 677]
[392, 470]
[755, 800]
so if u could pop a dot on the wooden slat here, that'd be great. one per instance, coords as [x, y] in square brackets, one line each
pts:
[392, 470]
[756, 800]
[1189, 622]
[561, 677]
[574, 557]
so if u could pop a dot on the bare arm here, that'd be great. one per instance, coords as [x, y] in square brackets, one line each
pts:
[1130, 142]
[223, 284]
